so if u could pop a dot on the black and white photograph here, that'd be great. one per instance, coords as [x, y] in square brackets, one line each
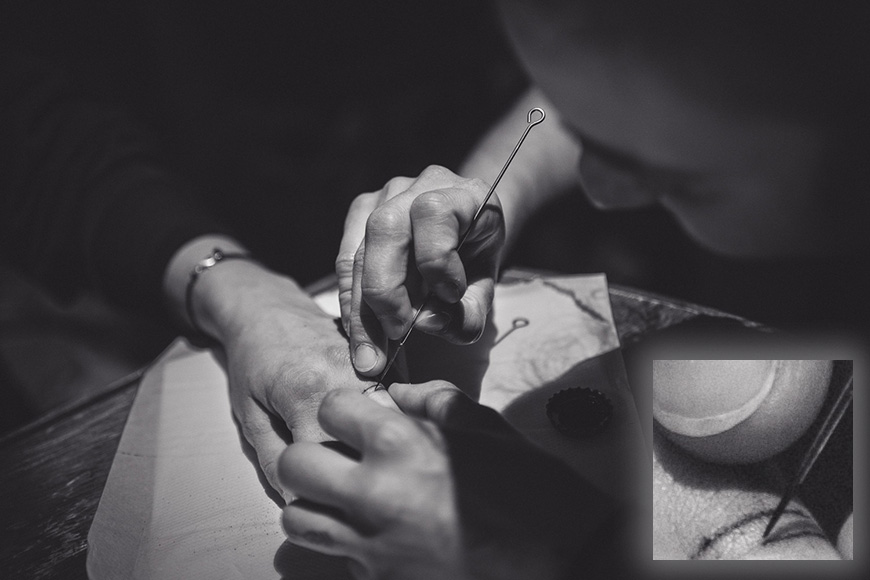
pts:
[330, 290]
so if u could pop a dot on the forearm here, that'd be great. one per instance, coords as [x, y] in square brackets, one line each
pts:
[545, 167]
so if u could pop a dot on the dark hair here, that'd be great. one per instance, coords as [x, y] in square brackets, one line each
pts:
[792, 60]
[798, 59]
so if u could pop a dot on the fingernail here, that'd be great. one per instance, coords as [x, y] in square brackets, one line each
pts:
[364, 357]
[394, 326]
[436, 321]
[450, 292]
[698, 398]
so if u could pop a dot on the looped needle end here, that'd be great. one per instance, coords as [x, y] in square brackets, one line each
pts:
[540, 119]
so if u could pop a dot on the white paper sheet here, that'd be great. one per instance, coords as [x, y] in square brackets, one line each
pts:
[184, 501]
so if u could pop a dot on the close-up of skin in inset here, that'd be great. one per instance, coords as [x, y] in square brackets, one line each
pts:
[729, 438]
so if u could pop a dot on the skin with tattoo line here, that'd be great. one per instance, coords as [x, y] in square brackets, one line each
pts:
[706, 506]
[703, 511]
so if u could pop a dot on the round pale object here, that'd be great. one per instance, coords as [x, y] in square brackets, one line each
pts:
[737, 411]
[705, 397]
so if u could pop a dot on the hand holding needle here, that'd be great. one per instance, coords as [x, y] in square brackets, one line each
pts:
[842, 402]
[530, 123]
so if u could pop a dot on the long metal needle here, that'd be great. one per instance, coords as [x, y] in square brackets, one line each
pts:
[477, 214]
[844, 399]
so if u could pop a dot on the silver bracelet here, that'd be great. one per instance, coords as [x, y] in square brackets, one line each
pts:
[216, 257]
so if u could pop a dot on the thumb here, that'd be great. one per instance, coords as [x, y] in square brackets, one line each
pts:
[432, 400]
[447, 406]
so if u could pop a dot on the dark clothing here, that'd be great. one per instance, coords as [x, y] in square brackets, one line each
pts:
[170, 119]
[86, 203]
[548, 515]
[278, 114]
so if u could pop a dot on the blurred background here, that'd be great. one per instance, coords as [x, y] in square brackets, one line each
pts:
[280, 113]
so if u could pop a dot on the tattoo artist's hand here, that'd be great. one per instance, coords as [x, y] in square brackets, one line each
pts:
[448, 490]
[282, 355]
[399, 244]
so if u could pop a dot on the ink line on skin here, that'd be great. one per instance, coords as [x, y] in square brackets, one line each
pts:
[708, 542]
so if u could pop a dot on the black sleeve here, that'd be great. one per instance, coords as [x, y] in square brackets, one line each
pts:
[518, 504]
[85, 205]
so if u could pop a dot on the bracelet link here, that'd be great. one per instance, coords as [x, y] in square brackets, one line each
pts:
[216, 257]
[207, 263]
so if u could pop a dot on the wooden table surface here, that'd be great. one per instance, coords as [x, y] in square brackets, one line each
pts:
[55, 468]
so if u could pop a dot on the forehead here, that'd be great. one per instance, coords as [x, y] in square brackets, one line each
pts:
[636, 100]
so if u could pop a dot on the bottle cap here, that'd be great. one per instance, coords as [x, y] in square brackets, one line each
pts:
[579, 412]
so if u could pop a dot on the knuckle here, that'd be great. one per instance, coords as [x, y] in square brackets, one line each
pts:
[385, 219]
[477, 183]
[374, 286]
[298, 388]
[348, 315]
[432, 203]
[373, 289]
[249, 432]
[436, 172]
[475, 190]
[433, 263]
[359, 260]
[254, 431]
[383, 488]
[313, 371]
[329, 402]
[270, 466]
[335, 357]
[344, 264]
[380, 296]
[396, 185]
[365, 202]
[390, 435]
[331, 397]
[345, 299]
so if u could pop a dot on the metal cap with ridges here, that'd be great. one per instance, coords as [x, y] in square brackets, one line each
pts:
[579, 412]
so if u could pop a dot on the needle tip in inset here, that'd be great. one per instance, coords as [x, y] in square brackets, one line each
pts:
[777, 513]
[769, 527]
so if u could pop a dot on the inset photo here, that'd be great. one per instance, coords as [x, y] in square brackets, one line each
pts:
[752, 459]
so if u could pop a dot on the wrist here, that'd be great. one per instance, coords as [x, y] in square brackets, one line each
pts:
[216, 258]
[177, 276]
[224, 293]
[240, 293]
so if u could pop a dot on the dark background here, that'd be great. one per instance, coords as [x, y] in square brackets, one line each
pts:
[281, 112]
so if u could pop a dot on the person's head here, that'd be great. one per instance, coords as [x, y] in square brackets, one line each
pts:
[744, 119]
